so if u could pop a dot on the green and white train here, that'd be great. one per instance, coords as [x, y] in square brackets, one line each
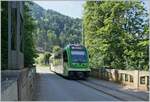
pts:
[71, 62]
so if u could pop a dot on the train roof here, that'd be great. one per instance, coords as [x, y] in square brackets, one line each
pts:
[73, 46]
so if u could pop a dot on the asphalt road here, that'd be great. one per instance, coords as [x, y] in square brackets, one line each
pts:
[51, 87]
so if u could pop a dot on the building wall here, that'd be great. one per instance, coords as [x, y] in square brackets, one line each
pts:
[15, 35]
[22, 87]
[4, 35]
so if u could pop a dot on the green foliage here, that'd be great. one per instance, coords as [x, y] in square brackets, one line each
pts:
[56, 62]
[54, 28]
[47, 55]
[40, 59]
[29, 27]
[29, 30]
[56, 49]
[116, 34]
[43, 58]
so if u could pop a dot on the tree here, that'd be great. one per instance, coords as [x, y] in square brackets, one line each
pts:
[56, 49]
[114, 31]
[50, 24]
[46, 57]
[29, 30]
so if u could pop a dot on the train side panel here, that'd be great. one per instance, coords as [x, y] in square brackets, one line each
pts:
[57, 64]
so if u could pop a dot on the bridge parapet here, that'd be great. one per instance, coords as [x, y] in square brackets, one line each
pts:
[18, 85]
[130, 78]
[9, 90]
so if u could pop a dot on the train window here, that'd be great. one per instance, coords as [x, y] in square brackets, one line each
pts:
[65, 56]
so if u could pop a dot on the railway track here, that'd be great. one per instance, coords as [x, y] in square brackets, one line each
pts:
[120, 95]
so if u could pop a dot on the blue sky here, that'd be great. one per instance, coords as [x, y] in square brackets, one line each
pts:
[70, 8]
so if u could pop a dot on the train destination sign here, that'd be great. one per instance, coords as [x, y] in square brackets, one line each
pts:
[76, 47]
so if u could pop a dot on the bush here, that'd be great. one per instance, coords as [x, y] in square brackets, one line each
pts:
[43, 58]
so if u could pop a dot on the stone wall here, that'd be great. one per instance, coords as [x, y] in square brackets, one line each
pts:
[134, 79]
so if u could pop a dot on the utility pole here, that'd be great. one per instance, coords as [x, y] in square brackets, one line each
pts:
[83, 42]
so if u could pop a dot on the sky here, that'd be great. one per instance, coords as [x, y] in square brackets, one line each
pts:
[70, 8]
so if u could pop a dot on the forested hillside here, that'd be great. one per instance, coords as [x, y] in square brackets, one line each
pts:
[54, 29]
[116, 34]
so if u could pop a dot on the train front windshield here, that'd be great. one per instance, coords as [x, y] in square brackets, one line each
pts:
[79, 56]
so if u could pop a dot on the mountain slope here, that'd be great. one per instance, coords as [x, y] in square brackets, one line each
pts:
[54, 28]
